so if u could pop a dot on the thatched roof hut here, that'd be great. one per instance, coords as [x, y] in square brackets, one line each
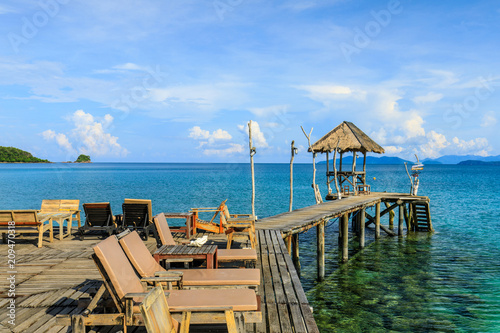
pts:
[349, 138]
[344, 138]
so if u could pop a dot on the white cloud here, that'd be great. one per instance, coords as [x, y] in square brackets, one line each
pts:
[431, 97]
[328, 92]
[275, 110]
[199, 134]
[234, 148]
[130, 66]
[392, 150]
[477, 146]
[489, 119]
[258, 138]
[61, 139]
[413, 126]
[215, 143]
[435, 143]
[89, 136]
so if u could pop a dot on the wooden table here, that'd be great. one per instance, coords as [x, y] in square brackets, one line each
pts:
[207, 252]
[59, 218]
[190, 230]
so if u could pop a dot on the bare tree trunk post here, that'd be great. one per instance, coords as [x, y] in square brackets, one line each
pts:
[252, 152]
[294, 151]
[317, 194]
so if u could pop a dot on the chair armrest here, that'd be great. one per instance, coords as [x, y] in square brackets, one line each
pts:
[162, 279]
[240, 215]
[201, 309]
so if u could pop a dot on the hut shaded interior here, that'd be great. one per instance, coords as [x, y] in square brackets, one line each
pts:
[344, 138]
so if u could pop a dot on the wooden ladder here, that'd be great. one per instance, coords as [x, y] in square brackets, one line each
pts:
[421, 216]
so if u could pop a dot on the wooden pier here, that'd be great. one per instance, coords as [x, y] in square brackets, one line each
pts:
[51, 280]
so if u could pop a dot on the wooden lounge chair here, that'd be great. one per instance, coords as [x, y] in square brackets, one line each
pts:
[146, 266]
[98, 217]
[226, 255]
[24, 221]
[60, 211]
[137, 215]
[158, 319]
[211, 225]
[126, 290]
[241, 223]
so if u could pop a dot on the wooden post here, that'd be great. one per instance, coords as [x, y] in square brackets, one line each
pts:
[294, 151]
[295, 252]
[377, 220]
[362, 228]
[339, 196]
[391, 217]
[364, 168]
[401, 220]
[320, 240]
[354, 177]
[345, 237]
[317, 194]
[252, 152]
[288, 242]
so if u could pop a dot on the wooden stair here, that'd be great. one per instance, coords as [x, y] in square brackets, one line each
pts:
[421, 216]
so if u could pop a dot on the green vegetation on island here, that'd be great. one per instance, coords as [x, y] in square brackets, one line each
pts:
[14, 155]
[83, 159]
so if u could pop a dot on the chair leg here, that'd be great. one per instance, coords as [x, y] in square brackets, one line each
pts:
[185, 323]
[51, 231]
[229, 240]
[40, 235]
[231, 323]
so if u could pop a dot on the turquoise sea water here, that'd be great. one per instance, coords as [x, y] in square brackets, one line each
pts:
[445, 282]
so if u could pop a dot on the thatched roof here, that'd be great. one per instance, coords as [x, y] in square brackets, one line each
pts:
[351, 139]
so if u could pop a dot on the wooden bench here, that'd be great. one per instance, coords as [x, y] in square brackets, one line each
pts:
[364, 189]
[59, 211]
[24, 221]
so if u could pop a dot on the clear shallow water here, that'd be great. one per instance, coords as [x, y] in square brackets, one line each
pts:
[446, 282]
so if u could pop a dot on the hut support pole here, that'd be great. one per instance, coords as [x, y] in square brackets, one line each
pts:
[320, 233]
[252, 152]
[344, 232]
[377, 220]
[362, 228]
[295, 252]
[401, 220]
[364, 168]
[328, 173]
[354, 177]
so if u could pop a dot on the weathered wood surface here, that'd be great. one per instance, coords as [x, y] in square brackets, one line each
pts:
[51, 280]
[302, 219]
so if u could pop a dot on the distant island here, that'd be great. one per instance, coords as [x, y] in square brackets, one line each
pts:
[15, 155]
[475, 162]
[83, 159]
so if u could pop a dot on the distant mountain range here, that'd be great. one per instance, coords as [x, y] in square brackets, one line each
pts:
[447, 159]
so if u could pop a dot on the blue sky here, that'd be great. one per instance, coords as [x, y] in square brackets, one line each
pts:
[177, 81]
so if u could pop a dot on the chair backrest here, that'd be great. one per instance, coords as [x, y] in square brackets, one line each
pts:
[98, 214]
[27, 216]
[163, 230]
[139, 255]
[155, 312]
[58, 205]
[142, 201]
[69, 205]
[6, 216]
[116, 270]
[135, 215]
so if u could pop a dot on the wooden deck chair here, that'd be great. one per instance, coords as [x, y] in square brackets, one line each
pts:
[241, 223]
[124, 286]
[137, 215]
[98, 217]
[223, 255]
[158, 319]
[146, 266]
[24, 221]
[211, 225]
